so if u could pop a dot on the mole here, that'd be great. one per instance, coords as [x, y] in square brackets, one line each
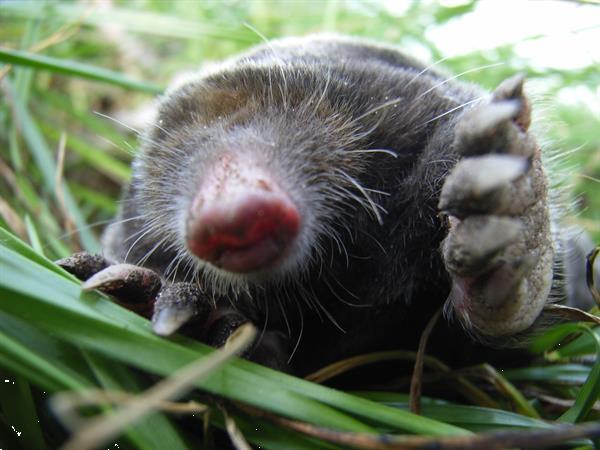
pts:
[336, 193]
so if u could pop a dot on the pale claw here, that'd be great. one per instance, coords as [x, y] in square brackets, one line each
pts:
[128, 283]
[482, 184]
[475, 244]
[175, 306]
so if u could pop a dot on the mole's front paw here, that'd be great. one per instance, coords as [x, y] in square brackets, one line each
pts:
[499, 249]
[170, 305]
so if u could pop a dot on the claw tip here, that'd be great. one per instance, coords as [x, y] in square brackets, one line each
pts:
[167, 321]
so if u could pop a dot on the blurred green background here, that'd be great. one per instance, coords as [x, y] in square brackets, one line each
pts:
[554, 43]
[78, 78]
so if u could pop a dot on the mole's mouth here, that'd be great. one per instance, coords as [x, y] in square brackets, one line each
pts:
[243, 226]
[246, 259]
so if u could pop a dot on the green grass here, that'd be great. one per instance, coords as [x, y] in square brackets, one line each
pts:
[67, 64]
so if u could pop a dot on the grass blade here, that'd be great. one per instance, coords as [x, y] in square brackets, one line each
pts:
[47, 165]
[95, 323]
[133, 20]
[74, 69]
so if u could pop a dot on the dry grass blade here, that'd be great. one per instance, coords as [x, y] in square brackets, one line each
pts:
[12, 219]
[68, 222]
[345, 365]
[237, 438]
[62, 34]
[65, 404]
[562, 403]
[417, 377]
[100, 430]
[503, 385]
[466, 388]
[494, 440]
[570, 313]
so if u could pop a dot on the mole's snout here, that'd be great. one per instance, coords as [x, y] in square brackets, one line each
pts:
[241, 221]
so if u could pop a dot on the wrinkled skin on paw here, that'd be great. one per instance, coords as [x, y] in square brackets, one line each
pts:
[336, 193]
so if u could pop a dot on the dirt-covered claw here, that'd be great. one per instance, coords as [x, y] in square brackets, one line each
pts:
[512, 88]
[484, 129]
[476, 243]
[83, 264]
[505, 300]
[499, 126]
[176, 305]
[127, 283]
[483, 184]
[502, 283]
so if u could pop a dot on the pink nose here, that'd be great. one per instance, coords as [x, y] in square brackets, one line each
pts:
[242, 224]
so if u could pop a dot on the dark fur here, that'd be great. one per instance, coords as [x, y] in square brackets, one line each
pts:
[299, 109]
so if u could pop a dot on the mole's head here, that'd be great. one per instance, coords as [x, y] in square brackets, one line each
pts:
[262, 170]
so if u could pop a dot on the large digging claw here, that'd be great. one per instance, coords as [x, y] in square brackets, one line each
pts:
[512, 88]
[176, 305]
[483, 184]
[476, 244]
[131, 285]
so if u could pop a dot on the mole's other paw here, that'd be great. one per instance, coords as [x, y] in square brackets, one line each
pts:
[170, 305]
[499, 250]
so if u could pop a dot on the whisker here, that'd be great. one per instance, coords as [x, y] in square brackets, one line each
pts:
[375, 150]
[179, 257]
[264, 327]
[117, 121]
[285, 319]
[452, 110]
[377, 191]
[161, 128]
[380, 107]
[98, 223]
[376, 241]
[129, 151]
[299, 334]
[374, 206]
[284, 87]
[150, 224]
[147, 255]
[476, 69]
[426, 69]
[330, 317]
[324, 93]
[342, 300]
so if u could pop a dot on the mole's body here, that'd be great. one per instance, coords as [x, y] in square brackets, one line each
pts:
[337, 193]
